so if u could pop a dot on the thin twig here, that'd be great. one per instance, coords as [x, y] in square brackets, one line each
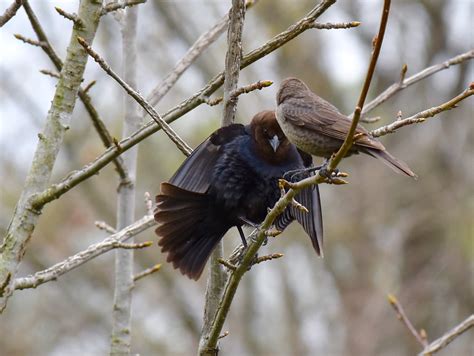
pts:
[102, 225]
[365, 89]
[74, 178]
[239, 91]
[399, 85]
[444, 340]
[265, 258]
[10, 12]
[182, 146]
[50, 73]
[147, 272]
[404, 319]
[332, 26]
[227, 264]
[86, 100]
[120, 5]
[72, 17]
[29, 40]
[91, 252]
[89, 86]
[133, 246]
[423, 115]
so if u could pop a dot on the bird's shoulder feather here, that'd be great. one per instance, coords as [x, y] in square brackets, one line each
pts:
[195, 173]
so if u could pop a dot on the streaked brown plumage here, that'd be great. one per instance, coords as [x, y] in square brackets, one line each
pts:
[318, 128]
[231, 179]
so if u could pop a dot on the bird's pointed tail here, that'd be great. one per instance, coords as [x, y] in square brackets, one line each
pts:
[187, 231]
[394, 163]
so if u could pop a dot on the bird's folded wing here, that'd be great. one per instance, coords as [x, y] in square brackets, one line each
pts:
[327, 120]
[195, 174]
[312, 221]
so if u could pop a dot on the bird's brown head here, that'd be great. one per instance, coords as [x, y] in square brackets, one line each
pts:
[271, 142]
[291, 88]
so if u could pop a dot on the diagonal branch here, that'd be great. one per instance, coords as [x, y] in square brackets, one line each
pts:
[76, 177]
[93, 251]
[10, 12]
[405, 83]
[447, 338]
[182, 146]
[57, 122]
[341, 153]
[99, 125]
[201, 44]
[423, 115]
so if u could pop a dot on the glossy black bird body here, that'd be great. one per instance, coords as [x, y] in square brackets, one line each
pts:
[318, 128]
[230, 179]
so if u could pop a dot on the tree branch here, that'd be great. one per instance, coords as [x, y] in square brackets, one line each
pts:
[93, 251]
[182, 146]
[120, 5]
[404, 319]
[423, 115]
[10, 12]
[121, 339]
[341, 153]
[405, 83]
[57, 122]
[76, 177]
[85, 98]
[447, 338]
[217, 274]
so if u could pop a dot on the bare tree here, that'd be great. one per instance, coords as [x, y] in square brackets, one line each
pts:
[225, 275]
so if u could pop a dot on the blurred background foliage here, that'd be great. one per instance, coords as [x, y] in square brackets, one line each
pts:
[384, 232]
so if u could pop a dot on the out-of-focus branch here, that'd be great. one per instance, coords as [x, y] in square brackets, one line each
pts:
[217, 274]
[444, 340]
[120, 5]
[10, 12]
[121, 339]
[401, 315]
[423, 115]
[76, 177]
[147, 272]
[93, 251]
[341, 153]
[183, 146]
[85, 98]
[406, 82]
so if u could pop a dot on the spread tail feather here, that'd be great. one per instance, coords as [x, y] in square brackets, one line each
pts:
[394, 163]
[187, 231]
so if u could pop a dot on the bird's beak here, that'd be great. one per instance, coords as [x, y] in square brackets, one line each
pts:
[274, 142]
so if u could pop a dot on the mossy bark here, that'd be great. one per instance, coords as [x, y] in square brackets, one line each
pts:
[57, 123]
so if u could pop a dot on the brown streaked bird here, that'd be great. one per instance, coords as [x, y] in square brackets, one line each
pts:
[231, 179]
[318, 128]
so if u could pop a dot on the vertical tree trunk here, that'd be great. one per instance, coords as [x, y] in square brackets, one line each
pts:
[122, 309]
[218, 276]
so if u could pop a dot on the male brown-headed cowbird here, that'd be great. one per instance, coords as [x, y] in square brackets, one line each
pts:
[231, 179]
[318, 128]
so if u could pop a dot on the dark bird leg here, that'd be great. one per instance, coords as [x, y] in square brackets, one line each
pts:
[242, 236]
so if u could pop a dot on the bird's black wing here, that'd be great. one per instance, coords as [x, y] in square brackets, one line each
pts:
[312, 222]
[195, 174]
